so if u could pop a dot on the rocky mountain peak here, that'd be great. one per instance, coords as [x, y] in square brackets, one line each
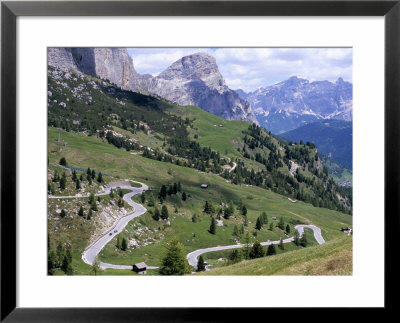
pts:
[196, 80]
[198, 66]
[191, 80]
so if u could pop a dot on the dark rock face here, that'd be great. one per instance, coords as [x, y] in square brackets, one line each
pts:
[113, 64]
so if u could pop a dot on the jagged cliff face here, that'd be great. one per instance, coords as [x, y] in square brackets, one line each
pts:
[196, 80]
[192, 80]
[113, 64]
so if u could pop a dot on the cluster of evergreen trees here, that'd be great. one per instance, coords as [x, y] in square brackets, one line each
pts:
[61, 180]
[60, 258]
[261, 221]
[122, 243]
[321, 190]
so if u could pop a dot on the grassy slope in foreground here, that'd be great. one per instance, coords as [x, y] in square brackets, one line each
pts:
[335, 257]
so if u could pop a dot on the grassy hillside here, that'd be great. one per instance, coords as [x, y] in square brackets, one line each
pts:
[88, 151]
[333, 258]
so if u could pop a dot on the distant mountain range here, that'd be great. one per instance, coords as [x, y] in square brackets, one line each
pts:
[296, 102]
[192, 80]
[334, 138]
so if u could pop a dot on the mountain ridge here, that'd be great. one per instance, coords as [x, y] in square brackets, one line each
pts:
[192, 80]
[295, 102]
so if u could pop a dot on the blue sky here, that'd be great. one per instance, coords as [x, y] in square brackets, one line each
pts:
[251, 68]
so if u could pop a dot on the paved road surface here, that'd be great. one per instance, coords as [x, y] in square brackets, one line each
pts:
[89, 255]
[192, 256]
[91, 252]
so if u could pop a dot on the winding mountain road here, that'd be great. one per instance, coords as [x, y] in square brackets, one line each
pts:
[91, 252]
[192, 256]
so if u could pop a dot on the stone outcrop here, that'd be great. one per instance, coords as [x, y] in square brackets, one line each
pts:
[192, 80]
[196, 80]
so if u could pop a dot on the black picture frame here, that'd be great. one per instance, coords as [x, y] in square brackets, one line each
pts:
[10, 10]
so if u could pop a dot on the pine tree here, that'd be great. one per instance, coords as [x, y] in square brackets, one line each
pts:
[212, 229]
[303, 240]
[226, 213]
[179, 187]
[200, 264]
[100, 177]
[91, 198]
[56, 177]
[256, 251]
[124, 244]
[143, 197]
[281, 224]
[93, 175]
[73, 175]
[163, 192]
[231, 209]
[88, 172]
[63, 161]
[244, 210]
[164, 213]
[51, 262]
[287, 229]
[66, 266]
[271, 250]
[63, 181]
[93, 205]
[62, 213]
[174, 261]
[120, 193]
[271, 226]
[89, 216]
[208, 208]
[234, 257]
[156, 215]
[80, 212]
[78, 184]
[258, 223]
[184, 196]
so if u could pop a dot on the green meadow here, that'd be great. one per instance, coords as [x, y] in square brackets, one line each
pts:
[89, 151]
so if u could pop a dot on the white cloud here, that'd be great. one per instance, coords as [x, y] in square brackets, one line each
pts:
[250, 68]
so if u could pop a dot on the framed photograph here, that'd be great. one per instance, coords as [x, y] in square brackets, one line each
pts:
[197, 158]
